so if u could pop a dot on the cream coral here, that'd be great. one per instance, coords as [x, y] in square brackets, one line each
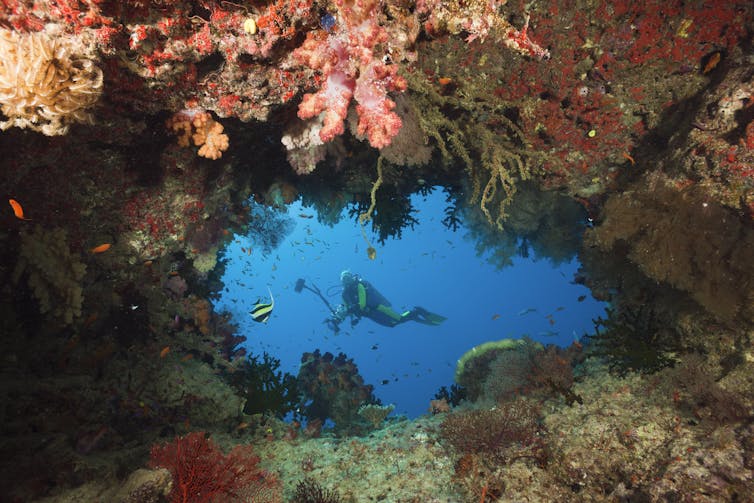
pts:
[46, 83]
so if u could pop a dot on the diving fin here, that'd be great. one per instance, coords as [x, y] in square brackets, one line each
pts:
[428, 318]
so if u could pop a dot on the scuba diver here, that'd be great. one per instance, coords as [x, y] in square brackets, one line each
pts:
[361, 299]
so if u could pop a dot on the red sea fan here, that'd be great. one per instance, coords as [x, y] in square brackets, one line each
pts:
[203, 474]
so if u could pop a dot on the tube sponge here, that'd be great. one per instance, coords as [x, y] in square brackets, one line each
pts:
[46, 84]
[53, 273]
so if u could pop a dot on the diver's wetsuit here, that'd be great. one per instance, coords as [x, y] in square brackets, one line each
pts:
[362, 299]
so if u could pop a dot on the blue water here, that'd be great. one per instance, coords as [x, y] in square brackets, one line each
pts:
[432, 267]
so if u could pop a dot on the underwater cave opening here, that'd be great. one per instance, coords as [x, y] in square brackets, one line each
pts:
[489, 285]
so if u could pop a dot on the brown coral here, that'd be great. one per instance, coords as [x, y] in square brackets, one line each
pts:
[46, 84]
[685, 239]
[508, 432]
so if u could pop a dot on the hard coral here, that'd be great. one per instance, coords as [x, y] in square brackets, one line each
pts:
[46, 84]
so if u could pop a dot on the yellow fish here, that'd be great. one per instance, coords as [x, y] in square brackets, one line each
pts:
[262, 310]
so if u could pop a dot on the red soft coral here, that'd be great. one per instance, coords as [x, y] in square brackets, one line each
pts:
[203, 474]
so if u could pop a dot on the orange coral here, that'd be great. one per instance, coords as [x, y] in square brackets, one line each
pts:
[201, 129]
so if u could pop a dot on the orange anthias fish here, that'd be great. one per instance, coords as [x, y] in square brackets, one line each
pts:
[164, 351]
[18, 210]
[101, 248]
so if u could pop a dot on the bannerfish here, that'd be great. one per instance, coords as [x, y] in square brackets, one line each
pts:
[262, 310]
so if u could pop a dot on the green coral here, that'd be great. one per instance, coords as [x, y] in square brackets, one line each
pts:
[473, 367]
[52, 272]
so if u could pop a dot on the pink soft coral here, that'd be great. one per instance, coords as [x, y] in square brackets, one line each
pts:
[350, 67]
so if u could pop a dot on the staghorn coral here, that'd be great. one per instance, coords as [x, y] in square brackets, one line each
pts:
[46, 83]
[53, 273]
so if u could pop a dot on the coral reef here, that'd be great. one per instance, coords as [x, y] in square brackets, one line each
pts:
[531, 369]
[202, 473]
[633, 340]
[501, 435]
[48, 81]
[375, 414]
[638, 114]
[52, 271]
[332, 388]
[711, 270]
[309, 491]
[474, 364]
[266, 389]
[146, 486]
[201, 129]
[352, 67]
